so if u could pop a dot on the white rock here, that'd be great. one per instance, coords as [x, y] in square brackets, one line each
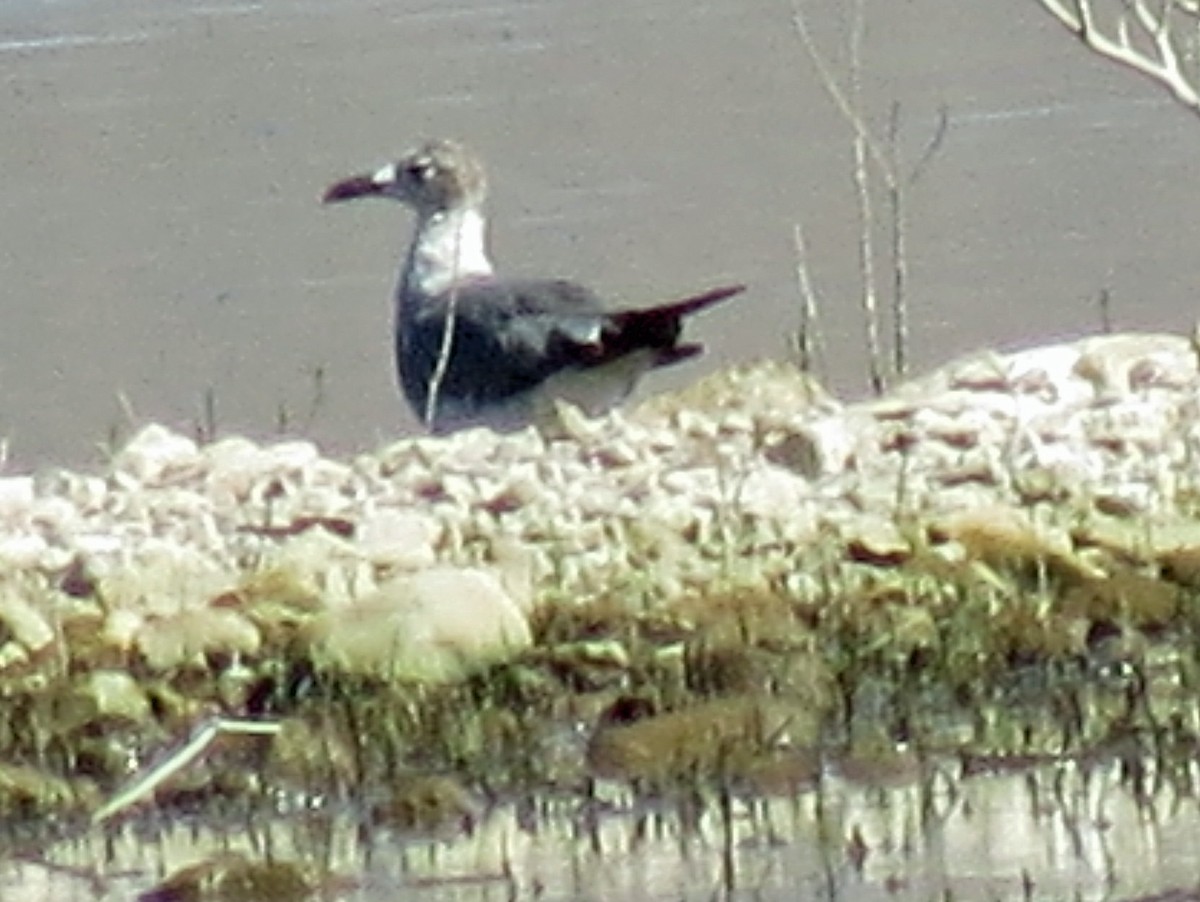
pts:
[99, 544]
[157, 455]
[818, 448]
[433, 626]
[334, 567]
[56, 515]
[23, 552]
[121, 627]
[16, 501]
[1129, 362]
[184, 637]
[291, 455]
[163, 577]
[773, 493]
[26, 623]
[395, 538]
[235, 464]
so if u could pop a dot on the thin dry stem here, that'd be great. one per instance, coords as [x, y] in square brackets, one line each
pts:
[446, 347]
[866, 211]
[846, 106]
[810, 346]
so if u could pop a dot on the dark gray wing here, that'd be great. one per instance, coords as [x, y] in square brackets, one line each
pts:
[509, 336]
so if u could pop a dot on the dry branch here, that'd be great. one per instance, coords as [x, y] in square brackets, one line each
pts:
[1159, 38]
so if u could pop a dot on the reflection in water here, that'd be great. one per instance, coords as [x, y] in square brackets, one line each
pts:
[1107, 831]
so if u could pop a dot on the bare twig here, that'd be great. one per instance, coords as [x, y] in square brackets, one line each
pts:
[872, 160]
[1104, 305]
[866, 150]
[445, 349]
[897, 200]
[899, 253]
[850, 113]
[205, 428]
[177, 759]
[936, 140]
[810, 345]
[866, 214]
[317, 402]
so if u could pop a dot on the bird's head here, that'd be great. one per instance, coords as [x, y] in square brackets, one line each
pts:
[434, 178]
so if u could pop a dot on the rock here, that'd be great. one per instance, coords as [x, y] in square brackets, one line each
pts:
[437, 625]
[29, 793]
[186, 637]
[27, 552]
[16, 500]
[773, 493]
[163, 576]
[815, 449]
[23, 621]
[876, 540]
[736, 474]
[101, 699]
[723, 737]
[400, 539]
[1005, 538]
[234, 877]
[156, 456]
[328, 564]
[1120, 364]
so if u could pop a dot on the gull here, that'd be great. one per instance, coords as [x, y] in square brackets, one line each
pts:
[477, 349]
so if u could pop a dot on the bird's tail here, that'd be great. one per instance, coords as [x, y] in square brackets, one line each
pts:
[676, 310]
[658, 327]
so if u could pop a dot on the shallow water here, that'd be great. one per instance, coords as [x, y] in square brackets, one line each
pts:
[164, 257]
[1055, 831]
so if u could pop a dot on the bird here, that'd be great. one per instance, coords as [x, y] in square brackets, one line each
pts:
[477, 349]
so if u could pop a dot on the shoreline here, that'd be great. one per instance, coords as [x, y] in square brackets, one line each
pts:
[731, 586]
[1105, 426]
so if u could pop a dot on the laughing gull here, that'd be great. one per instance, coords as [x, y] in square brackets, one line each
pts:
[475, 349]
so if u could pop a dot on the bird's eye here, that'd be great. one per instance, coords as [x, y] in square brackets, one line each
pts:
[419, 170]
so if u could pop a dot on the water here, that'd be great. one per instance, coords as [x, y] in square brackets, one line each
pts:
[164, 257]
[1054, 831]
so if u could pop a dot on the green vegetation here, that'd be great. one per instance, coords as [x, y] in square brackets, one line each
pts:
[981, 639]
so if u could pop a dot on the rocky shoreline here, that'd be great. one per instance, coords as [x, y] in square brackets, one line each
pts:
[721, 484]
[750, 535]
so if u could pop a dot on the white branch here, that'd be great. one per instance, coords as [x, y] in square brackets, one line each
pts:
[434, 388]
[1163, 64]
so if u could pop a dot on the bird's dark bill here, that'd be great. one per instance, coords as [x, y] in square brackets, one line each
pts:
[348, 189]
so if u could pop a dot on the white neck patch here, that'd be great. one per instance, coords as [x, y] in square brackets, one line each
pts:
[448, 247]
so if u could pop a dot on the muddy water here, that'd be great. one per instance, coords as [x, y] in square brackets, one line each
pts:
[161, 243]
[1055, 832]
